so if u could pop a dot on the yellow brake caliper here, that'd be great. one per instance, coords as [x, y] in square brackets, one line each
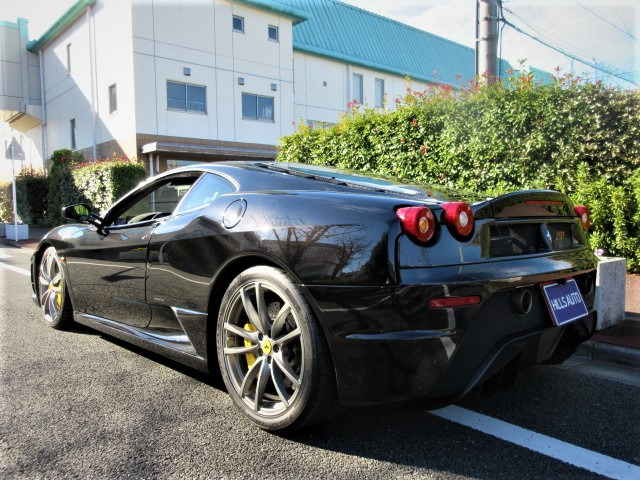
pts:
[251, 358]
[58, 296]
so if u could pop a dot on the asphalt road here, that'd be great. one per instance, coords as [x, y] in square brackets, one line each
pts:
[80, 404]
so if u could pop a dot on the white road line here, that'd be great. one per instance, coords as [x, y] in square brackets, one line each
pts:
[23, 271]
[551, 447]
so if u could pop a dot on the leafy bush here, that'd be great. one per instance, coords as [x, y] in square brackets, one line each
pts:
[62, 190]
[615, 214]
[6, 205]
[31, 197]
[102, 183]
[501, 137]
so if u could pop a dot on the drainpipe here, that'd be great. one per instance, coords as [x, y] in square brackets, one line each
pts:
[43, 129]
[92, 68]
[349, 86]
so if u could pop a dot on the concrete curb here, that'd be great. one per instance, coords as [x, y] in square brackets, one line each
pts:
[606, 352]
[17, 244]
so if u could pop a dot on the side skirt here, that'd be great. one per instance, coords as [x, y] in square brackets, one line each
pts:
[177, 348]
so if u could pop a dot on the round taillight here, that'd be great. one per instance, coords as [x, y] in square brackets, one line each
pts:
[585, 216]
[417, 222]
[459, 218]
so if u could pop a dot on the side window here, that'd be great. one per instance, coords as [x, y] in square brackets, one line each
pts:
[157, 203]
[205, 191]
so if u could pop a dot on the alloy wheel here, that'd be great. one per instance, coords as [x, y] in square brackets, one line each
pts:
[263, 349]
[51, 286]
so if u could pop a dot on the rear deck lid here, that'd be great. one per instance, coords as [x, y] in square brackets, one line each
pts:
[532, 203]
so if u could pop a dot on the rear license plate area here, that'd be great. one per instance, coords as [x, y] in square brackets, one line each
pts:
[564, 301]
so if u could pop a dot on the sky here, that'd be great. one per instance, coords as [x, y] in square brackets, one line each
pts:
[597, 31]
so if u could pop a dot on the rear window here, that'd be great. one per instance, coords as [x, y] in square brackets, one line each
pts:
[205, 191]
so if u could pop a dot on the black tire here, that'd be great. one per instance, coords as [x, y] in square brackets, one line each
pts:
[53, 294]
[274, 359]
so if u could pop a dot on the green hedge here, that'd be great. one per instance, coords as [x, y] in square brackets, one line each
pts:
[41, 198]
[6, 208]
[580, 138]
[102, 183]
[62, 190]
[615, 214]
[31, 197]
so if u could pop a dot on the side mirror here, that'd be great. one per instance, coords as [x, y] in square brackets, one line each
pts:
[80, 212]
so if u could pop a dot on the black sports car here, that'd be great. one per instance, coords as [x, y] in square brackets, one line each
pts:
[310, 288]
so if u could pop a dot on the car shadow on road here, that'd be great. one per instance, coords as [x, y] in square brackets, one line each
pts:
[213, 379]
[80, 329]
[408, 437]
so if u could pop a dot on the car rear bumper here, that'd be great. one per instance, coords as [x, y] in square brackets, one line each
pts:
[389, 346]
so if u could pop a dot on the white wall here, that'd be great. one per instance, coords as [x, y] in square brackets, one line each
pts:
[10, 68]
[114, 60]
[17, 96]
[16, 91]
[317, 102]
[197, 34]
[69, 95]
[27, 150]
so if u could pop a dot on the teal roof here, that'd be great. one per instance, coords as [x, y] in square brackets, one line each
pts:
[63, 22]
[280, 8]
[350, 34]
[541, 76]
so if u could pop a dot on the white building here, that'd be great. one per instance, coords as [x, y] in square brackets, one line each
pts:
[181, 81]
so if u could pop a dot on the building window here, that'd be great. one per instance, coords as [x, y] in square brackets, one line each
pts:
[257, 107]
[273, 33]
[113, 98]
[68, 59]
[379, 92]
[238, 24]
[357, 88]
[187, 97]
[72, 125]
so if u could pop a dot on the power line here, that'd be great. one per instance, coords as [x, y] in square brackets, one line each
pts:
[550, 36]
[605, 20]
[563, 52]
[622, 20]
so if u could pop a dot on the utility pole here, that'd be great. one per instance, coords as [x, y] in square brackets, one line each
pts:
[487, 39]
[13, 193]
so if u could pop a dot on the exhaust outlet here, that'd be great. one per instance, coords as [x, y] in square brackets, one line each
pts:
[522, 300]
[587, 285]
